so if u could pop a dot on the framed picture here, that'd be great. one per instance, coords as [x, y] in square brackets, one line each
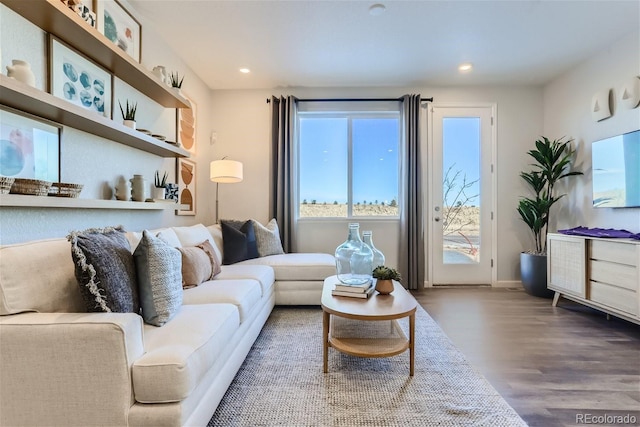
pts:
[186, 173]
[78, 80]
[186, 119]
[119, 26]
[29, 146]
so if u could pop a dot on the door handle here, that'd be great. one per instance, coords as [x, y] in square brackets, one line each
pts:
[436, 219]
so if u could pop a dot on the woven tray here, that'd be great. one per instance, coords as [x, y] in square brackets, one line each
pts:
[34, 187]
[65, 189]
[5, 184]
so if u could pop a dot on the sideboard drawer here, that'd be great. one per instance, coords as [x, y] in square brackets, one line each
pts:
[624, 276]
[620, 253]
[614, 297]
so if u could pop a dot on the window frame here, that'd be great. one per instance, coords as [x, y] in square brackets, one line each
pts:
[350, 111]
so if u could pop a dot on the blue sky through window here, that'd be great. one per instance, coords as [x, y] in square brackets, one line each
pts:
[461, 152]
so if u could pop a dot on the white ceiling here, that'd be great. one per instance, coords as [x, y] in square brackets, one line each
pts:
[413, 43]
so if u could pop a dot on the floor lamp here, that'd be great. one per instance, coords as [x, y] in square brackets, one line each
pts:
[226, 172]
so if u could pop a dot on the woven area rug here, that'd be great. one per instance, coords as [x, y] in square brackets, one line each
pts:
[281, 382]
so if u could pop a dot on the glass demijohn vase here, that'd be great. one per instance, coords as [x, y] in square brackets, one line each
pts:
[378, 257]
[354, 259]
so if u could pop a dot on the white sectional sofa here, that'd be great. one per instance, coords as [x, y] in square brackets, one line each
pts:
[60, 365]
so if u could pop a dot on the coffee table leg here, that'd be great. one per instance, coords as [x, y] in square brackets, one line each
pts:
[412, 342]
[325, 341]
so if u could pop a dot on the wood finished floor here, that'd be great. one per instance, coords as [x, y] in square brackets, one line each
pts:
[550, 364]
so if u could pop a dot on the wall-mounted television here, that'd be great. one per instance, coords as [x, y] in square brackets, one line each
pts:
[615, 164]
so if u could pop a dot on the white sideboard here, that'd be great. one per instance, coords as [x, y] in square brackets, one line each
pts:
[601, 273]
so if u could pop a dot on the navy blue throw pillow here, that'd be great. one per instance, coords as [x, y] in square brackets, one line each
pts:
[238, 241]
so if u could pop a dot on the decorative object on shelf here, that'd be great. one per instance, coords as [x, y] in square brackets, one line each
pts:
[21, 71]
[78, 80]
[159, 137]
[85, 13]
[159, 192]
[119, 26]
[5, 184]
[552, 163]
[32, 187]
[176, 81]
[384, 279]
[160, 71]
[630, 93]
[65, 189]
[171, 191]
[186, 173]
[354, 259]
[186, 120]
[225, 172]
[129, 114]
[29, 146]
[600, 105]
[139, 188]
[123, 189]
[378, 257]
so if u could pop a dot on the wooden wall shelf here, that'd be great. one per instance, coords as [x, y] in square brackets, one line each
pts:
[23, 97]
[19, 200]
[54, 17]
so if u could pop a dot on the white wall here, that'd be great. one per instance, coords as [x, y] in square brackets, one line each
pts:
[242, 121]
[566, 104]
[96, 162]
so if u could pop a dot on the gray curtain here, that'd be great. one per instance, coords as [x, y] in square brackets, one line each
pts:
[282, 197]
[411, 214]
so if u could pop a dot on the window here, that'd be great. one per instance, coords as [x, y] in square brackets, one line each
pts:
[349, 160]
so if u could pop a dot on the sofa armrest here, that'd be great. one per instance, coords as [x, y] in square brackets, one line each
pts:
[68, 368]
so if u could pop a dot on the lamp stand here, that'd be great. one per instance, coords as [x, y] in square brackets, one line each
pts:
[217, 202]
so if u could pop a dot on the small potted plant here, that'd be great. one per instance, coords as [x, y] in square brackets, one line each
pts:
[160, 184]
[129, 114]
[384, 279]
[176, 81]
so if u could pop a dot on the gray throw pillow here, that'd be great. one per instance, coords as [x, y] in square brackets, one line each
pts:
[159, 268]
[268, 238]
[105, 270]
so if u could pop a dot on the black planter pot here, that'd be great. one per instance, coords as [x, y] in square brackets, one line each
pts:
[533, 273]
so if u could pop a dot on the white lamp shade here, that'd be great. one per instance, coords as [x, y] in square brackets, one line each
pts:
[225, 171]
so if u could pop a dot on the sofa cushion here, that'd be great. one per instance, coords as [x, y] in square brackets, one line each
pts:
[243, 293]
[178, 355]
[261, 273]
[38, 276]
[268, 238]
[166, 234]
[297, 266]
[195, 234]
[159, 272]
[105, 270]
[199, 263]
[238, 241]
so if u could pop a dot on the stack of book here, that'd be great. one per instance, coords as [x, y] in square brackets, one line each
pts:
[354, 291]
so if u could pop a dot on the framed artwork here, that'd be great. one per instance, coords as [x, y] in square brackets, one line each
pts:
[78, 80]
[186, 119]
[29, 146]
[119, 26]
[186, 173]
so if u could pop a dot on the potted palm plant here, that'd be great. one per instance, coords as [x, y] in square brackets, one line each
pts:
[552, 163]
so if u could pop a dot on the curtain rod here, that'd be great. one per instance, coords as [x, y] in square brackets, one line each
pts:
[354, 99]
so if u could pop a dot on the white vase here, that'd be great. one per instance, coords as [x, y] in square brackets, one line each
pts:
[129, 123]
[123, 189]
[160, 72]
[158, 193]
[21, 71]
[139, 188]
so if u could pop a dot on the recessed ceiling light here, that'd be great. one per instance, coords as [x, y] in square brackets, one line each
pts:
[245, 70]
[466, 67]
[377, 9]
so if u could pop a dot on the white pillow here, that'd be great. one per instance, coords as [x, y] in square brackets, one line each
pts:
[268, 238]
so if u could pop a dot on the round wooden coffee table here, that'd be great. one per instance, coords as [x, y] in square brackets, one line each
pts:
[397, 305]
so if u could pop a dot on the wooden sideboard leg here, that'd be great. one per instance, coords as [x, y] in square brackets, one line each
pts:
[556, 297]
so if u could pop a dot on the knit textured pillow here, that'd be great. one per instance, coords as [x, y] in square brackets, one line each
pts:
[268, 238]
[159, 270]
[105, 270]
[199, 264]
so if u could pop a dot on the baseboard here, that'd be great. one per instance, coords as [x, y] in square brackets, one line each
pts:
[508, 284]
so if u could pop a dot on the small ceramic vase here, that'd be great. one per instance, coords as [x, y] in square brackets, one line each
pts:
[384, 286]
[159, 193]
[129, 123]
[123, 189]
[139, 188]
[160, 72]
[21, 71]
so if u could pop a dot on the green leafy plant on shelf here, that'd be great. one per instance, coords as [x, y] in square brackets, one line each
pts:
[386, 273]
[161, 182]
[175, 80]
[129, 112]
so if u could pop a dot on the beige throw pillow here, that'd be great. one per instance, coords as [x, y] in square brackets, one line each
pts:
[199, 264]
[268, 238]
